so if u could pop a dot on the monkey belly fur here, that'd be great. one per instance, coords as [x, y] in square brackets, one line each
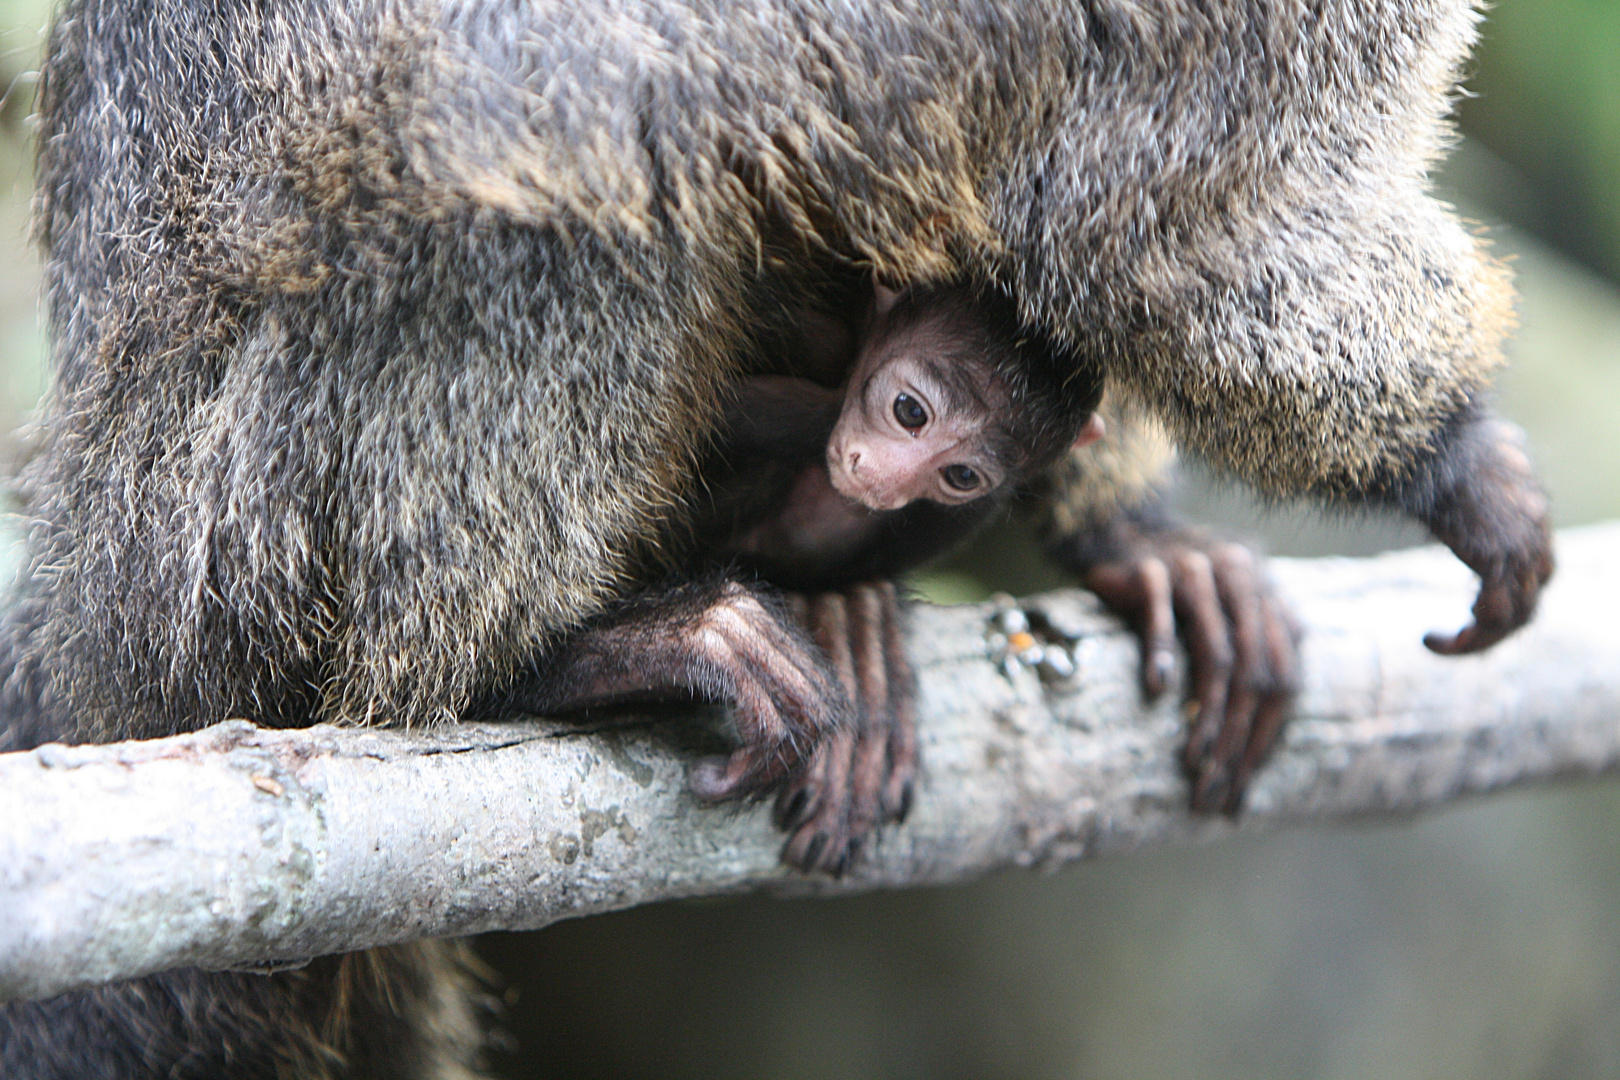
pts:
[388, 334]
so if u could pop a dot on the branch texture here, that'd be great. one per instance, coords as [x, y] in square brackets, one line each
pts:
[237, 846]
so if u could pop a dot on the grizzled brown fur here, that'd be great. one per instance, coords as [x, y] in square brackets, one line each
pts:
[405, 1012]
[388, 333]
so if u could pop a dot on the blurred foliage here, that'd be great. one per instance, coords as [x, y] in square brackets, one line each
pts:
[1546, 86]
[22, 341]
[21, 37]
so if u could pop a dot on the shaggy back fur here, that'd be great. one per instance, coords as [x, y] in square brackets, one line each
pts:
[386, 332]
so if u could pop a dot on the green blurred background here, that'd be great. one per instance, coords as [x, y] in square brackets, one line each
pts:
[1479, 942]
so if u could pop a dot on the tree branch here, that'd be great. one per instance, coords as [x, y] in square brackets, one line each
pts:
[237, 846]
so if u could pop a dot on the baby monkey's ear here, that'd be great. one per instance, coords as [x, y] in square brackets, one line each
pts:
[884, 298]
[1093, 430]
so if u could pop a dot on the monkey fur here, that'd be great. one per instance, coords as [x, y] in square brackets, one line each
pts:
[399, 1011]
[388, 338]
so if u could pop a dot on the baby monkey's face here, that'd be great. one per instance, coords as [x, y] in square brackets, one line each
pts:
[903, 435]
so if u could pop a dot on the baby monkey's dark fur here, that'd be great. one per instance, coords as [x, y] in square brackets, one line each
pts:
[389, 337]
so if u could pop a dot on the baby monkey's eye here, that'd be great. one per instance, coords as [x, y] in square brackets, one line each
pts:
[960, 477]
[910, 412]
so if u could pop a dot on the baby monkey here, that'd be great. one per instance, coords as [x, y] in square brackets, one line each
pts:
[942, 401]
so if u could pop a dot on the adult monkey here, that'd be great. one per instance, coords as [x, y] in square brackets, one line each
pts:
[387, 331]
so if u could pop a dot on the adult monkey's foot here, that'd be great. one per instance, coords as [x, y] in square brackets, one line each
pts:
[1488, 507]
[1242, 641]
[715, 640]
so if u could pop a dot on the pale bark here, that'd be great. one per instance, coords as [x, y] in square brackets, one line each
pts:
[242, 847]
